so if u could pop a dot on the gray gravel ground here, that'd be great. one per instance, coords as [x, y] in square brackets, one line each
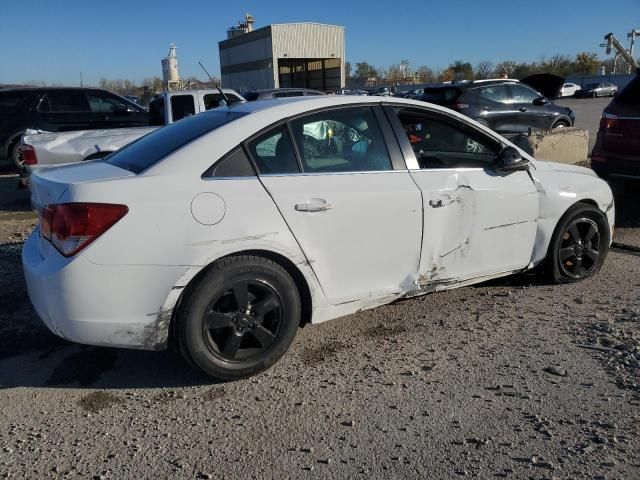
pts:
[513, 379]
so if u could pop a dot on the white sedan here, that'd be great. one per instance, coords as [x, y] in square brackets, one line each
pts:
[569, 89]
[226, 231]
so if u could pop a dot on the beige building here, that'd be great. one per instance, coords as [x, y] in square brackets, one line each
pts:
[309, 55]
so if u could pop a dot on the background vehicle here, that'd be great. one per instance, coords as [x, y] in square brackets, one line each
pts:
[617, 148]
[385, 92]
[593, 90]
[58, 109]
[280, 93]
[45, 149]
[569, 89]
[506, 106]
[235, 244]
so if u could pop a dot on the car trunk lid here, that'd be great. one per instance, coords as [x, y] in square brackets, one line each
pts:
[620, 124]
[547, 84]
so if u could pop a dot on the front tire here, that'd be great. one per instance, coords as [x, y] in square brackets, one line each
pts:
[240, 318]
[579, 244]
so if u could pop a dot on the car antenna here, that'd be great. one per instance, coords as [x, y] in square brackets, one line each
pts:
[226, 99]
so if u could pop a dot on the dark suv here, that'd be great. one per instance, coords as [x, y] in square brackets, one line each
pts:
[617, 148]
[506, 106]
[61, 109]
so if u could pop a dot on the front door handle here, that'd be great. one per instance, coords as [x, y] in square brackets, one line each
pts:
[314, 205]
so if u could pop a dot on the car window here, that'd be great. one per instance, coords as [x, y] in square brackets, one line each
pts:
[100, 103]
[495, 93]
[287, 94]
[630, 94]
[234, 164]
[273, 152]
[344, 140]
[10, 100]
[182, 106]
[64, 102]
[212, 100]
[251, 96]
[153, 147]
[441, 95]
[522, 94]
[446, 143]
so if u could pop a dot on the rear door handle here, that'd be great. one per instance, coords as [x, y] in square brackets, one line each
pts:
[314, 205]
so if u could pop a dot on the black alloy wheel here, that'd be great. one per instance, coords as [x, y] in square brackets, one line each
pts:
[239, 317]
[580, 248]
[579, 244]
[243, 321]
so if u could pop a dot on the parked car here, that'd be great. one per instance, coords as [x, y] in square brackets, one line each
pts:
[506, 106]
[593, 90]
[569, 89]
[57, 109]
[226, 231]
[385, 92]
[280, 93]
[617, 149]
[48, 149]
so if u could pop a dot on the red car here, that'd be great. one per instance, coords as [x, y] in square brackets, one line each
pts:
[617, 149]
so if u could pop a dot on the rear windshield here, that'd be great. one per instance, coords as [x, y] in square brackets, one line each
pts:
[152, 148]
[441, 96]
[630, 95]
[10, 100]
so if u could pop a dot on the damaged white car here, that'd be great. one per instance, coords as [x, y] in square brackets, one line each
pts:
[226, 231]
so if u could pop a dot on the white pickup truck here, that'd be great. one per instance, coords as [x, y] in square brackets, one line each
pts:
[42, 149]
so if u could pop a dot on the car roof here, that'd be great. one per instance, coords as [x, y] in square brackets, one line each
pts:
[46, 89]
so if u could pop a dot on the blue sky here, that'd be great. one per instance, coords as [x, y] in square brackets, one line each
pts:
[55, 40]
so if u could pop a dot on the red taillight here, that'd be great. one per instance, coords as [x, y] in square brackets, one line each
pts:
[72, 226]
[28, 154]
[461, 106]
[609, 123]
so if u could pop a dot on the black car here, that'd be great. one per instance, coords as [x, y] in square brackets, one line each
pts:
[58, 109]
[506, 106]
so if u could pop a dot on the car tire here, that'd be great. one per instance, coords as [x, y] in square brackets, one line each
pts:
[240, 317]
[560, 124]
[579, 244]
[14, 155]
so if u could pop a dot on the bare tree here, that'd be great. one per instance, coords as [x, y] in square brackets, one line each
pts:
[484, 69]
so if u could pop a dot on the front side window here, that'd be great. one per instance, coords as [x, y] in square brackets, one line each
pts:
[182, 106]
[446, 143]
[273, 152]
[344, 140]
[522, 94]
[106, 104]
[10, 100]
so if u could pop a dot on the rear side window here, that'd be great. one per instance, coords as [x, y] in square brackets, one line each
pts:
[441, 96]
[494, 93]
[212, 100]
[182, 106]
[10, 100]
[234, 164]
[630, 95]
[152, 148]
[65, 102]
[344, 140]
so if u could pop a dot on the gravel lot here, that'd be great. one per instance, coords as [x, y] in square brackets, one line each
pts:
[512, 379]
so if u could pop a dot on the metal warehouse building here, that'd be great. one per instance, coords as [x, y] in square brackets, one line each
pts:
[309, 55]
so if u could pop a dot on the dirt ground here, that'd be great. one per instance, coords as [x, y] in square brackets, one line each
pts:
[512, 379]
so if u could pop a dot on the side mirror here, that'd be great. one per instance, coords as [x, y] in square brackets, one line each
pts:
[540, 101]
[510, 160]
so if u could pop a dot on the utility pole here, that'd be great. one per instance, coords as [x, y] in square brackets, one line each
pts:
[81, 85]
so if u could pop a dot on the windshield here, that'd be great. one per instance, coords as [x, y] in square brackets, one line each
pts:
[155, 146]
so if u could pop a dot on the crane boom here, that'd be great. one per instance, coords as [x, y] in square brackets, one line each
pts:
[613, 43]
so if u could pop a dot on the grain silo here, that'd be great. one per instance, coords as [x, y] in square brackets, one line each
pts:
[170, 74]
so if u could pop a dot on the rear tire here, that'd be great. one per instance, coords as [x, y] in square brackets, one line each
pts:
[15, 155]
[560, 124]
[240, 318]
[579, 244]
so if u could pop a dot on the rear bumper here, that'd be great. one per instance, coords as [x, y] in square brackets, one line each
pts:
[115, 306]
[607, 164]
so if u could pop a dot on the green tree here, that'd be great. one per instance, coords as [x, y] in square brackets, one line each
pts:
[587, 63]
[347, 69]
[462, 70]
